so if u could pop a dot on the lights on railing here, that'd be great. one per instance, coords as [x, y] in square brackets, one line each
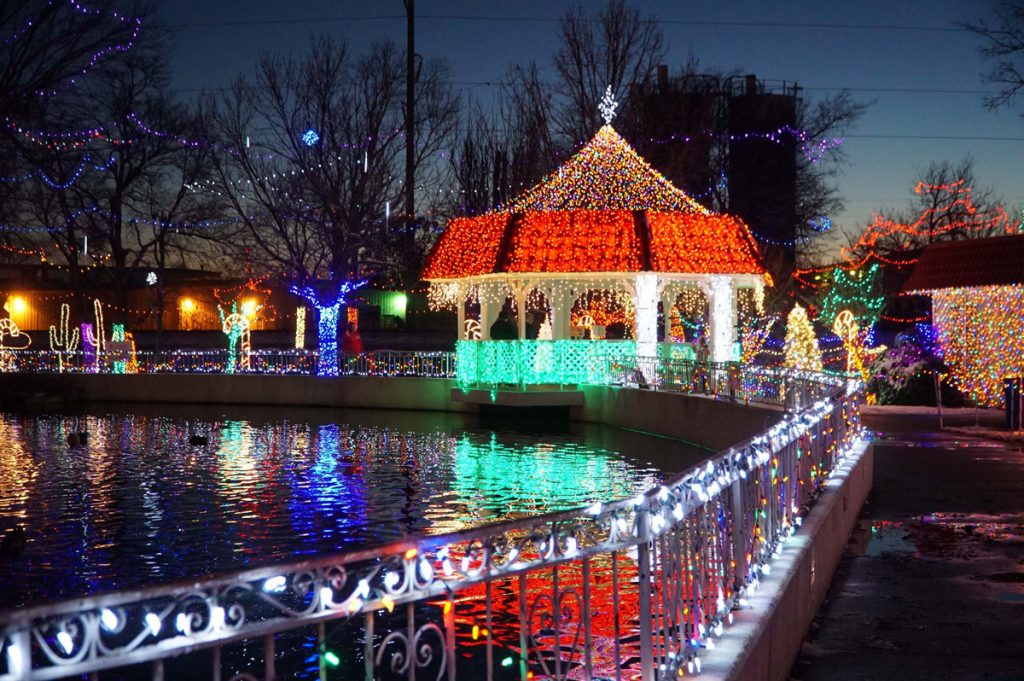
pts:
[326, 596]
[275, 584]
[153, 623]
[217, 617]
[446, 563]
[65, 641]
[109, 620]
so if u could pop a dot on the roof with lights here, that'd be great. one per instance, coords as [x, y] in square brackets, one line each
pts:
[605, 210]
[996, 261]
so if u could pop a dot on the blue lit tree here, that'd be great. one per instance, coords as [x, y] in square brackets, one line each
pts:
[328, 304]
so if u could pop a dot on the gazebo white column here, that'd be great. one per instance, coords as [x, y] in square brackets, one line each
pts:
[486, 317]
[722, 303]
[460, 310]
[561, 301]
[668, 301]
[645, 300]
[520, 293]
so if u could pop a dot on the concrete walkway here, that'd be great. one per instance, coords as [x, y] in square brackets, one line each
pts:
[932, 583]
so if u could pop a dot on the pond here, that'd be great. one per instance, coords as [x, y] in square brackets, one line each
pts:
[138, 504]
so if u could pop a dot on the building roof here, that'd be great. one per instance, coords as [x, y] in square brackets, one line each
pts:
[604, 210]
[998, 261]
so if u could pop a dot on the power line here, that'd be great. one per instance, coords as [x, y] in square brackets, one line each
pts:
[555, 20]
[498, 82]
[965, 138]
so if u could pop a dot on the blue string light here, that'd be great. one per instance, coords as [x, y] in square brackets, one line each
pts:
[310, 137]
[54, 184]
[96, 210]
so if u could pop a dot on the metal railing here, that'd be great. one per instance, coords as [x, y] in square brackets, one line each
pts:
[735, 381]
[633, 588]
[289, 361]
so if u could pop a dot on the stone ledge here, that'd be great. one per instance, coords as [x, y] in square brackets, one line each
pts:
[763, 642]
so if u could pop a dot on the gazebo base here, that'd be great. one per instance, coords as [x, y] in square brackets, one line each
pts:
[524, 399]
[537, 362]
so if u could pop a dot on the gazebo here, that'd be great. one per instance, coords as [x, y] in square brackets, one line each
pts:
[605, 222]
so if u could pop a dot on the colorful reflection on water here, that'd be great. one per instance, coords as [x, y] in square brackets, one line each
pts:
[137, 504]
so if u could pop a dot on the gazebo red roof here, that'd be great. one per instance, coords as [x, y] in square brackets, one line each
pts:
[605, 210]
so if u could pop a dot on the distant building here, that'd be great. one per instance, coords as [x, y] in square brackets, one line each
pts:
[32, 296]
[691, 127]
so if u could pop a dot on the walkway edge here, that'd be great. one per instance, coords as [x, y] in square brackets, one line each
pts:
[764, 640]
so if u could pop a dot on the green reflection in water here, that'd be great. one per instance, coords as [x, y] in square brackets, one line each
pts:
[539, 477]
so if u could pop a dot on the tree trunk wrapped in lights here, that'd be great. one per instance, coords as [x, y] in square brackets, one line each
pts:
[327, 307]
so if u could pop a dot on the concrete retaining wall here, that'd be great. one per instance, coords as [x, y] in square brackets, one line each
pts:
[764, 641]
[710, 423]
[715, 424]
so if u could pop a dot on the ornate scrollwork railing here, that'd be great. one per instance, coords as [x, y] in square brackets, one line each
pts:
[636, 586]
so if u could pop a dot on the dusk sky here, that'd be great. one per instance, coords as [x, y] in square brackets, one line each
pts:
[923, 72]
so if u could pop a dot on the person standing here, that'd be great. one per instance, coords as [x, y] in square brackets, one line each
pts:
[703, 355]
[352, 342]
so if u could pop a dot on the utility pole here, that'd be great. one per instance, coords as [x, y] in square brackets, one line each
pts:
[410, 94]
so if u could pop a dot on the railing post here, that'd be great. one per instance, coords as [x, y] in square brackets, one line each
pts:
[269, 669]
[643, 557]
[739, 533]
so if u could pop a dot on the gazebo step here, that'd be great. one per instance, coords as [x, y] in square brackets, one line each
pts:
[531, 397]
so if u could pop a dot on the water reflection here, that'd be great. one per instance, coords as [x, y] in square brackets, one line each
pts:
[137, 504]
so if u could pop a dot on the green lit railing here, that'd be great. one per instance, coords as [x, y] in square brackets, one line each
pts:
[535, 362]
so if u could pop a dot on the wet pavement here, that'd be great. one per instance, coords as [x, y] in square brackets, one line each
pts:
[932, 583]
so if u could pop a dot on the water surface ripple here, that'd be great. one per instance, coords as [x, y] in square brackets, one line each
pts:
[137, 504]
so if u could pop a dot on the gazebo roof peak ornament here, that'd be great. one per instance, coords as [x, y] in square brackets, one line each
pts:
[608, 106]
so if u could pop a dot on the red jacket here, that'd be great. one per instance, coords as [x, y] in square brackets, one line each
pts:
[352, 343]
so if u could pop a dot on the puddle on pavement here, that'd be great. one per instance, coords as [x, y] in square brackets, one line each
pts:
[1005, 528]
[944, 440]
[938, 535]
[1010, 597]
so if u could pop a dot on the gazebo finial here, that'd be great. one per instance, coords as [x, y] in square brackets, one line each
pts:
[608, 105]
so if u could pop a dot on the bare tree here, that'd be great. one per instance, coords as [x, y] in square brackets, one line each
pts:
[817, 192]
[132, 199]
[49, 46]
[618, 47]
[500, 157]
[946, 205]
[1003, 36]
[312, 162]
